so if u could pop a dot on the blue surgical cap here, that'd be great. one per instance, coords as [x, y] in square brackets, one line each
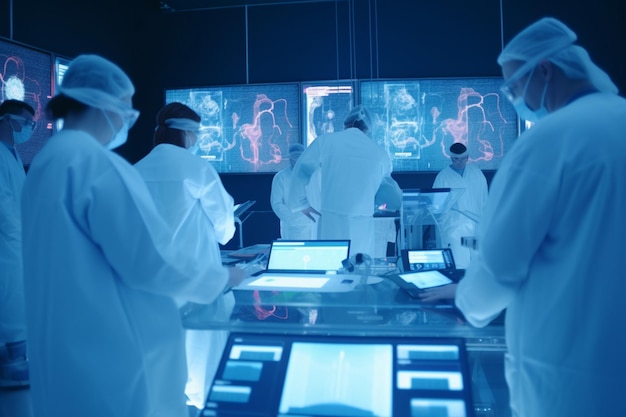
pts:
[295, 150]
[99, 83]
[358, 113]
[550, 39]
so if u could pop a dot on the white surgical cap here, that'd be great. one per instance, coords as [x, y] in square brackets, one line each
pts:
[550, 39]
[182, 124]
[358, 113]
[99, 83]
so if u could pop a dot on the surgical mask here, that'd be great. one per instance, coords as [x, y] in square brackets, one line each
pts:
[27, 128]
[22, 136]
[120, 137]
[522, 109]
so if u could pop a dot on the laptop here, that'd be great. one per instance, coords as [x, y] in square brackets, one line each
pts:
[426, 268]
[303, 265]
[278, 374]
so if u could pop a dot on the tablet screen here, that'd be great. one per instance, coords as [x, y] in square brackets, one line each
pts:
[426, 279]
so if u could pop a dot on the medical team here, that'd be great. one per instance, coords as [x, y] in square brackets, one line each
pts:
[107, 259]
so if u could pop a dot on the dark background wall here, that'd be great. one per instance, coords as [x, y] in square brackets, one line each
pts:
[189, 43]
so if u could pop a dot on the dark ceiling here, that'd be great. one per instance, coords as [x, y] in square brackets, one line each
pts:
[188, 5]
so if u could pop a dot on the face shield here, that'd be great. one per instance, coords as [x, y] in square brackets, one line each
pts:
[190, 127]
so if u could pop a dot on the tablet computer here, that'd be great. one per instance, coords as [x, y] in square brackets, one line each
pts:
[416, 282]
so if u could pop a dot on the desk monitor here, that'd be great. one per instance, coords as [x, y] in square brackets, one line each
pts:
[340, 376]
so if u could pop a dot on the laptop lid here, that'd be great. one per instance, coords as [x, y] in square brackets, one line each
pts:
[307, 256]
[265, 374]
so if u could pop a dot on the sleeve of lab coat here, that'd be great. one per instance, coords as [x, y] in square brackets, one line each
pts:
[277, 196]
[139, 245]
[218, 205]
[515, 223]
[306, 165]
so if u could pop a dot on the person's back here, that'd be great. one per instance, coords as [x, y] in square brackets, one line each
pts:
[352, 168]
[352, 171]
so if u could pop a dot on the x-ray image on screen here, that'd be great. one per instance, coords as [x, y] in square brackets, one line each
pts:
[244, 128]
[326, 105]
[26, 75]
[416, 121]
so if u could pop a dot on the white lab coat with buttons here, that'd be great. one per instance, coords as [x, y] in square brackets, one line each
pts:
[101, 270]
[551, 253]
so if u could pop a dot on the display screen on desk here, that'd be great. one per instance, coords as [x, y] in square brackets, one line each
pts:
[340, 376]
[244, 128]
[417, 120]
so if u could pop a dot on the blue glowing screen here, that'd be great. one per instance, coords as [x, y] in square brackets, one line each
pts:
[26, 75]
[416, 121]
[244, 128]
[325, 106]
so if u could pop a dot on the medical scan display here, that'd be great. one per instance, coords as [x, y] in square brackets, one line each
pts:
[26, 75]
[244, 128]
[325, 106]
[416, 121]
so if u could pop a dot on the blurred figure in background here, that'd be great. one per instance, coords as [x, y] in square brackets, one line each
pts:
[191, 198]
[293, 225]
[461, 220]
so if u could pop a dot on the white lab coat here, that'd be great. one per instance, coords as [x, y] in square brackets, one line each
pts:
[293, 225]
[551, 252]
[190, 196]
[101, 268]
[352, 167]
[12, 176]
[473, 196]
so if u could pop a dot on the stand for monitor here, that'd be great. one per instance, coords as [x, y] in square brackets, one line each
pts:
[241, 215]
[422, 209]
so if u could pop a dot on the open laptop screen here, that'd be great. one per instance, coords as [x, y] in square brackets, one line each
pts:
[307, 255]
[340, 376]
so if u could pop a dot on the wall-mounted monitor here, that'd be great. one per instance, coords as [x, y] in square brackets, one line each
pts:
[244, 128]
[60, 66]
[417, 120]
[325, 105]
[26, 75]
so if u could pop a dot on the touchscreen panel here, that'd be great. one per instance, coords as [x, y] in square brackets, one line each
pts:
[341, 376]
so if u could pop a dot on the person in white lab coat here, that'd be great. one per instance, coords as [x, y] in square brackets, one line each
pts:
[16, 127]
[352, 169]
[550, 243]
[293, 225]
[102, 269]
[460, 221]
[190, 196]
